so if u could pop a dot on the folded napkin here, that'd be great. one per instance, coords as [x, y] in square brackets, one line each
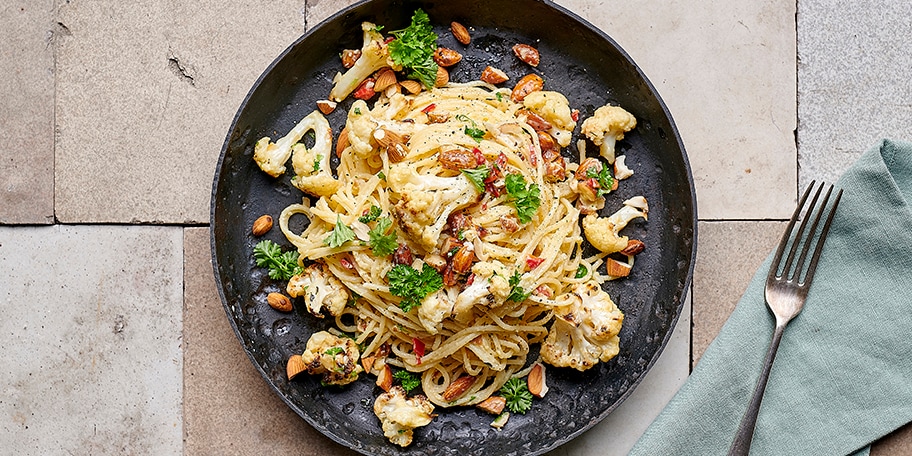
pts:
[843, 374]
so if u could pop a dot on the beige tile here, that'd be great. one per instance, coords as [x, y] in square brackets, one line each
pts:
[228, 407]
[27, 35]
[319, 10]
[899, 443]
[728, 255]
[146, 92]
[726, 70]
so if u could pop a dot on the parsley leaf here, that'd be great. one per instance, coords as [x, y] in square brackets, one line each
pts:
[525, 199]
[371, 215]
[333, 351]
[604, 178]
[413, 48]
[382, 244]
[516, 392]
[581, 272]
[477, 176]
[517, 294]
[317, 162]
[339, 235]
[472, 131]
[408, 379]
[282, 265]
[411, 285]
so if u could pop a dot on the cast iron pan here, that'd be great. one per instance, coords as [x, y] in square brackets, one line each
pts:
[578, 60]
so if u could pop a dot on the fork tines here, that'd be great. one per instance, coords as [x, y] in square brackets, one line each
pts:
[791, 270]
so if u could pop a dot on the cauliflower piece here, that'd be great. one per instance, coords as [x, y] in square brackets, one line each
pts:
[603, 233]
[490, 287]
[606, 127]
[433, 309]
[374, 55]
[360, 127]
[334, 357]
[553, 107]
[321, 290]
[399, 415]
[271, 157]
[311, 166]
[621, 170]
[426, 201]
[585, 329]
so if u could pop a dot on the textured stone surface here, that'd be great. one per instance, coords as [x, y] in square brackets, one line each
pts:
[228, 408]
[853, 81]
[27, 36]
[91, 337]
[726, 70]
[145, 94]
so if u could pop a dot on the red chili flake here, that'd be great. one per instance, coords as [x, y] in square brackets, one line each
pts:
[346, 263]
[533, 159]
[593, 183]
[470, 280]
[388, 39]
[429, 108]
[543, 291]
[575, 115]
[365, 91]
[418, 348]
[533, 261]
[479, 157]
[482, 232]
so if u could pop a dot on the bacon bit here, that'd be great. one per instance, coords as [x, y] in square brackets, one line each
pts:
[543, 291]
[346, 263]
[459, 221]
[533, 159]
[365, 91]
[575, 115]
[479, 157]
[533, 261]
[449, 277]
[494, 189]
[482, 232]
[509, 223]
[497, 169]
[429, 108]
[418, 349]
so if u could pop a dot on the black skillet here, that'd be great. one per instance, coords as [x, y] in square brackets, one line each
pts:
[576, 59]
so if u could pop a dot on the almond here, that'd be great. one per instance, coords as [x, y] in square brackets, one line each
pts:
[279, 302]
[261, 225]
[492, 75]
[634, 247]
[528, 84]
[537, 122]
[384, 78]
[527, 54]
[616, 268]
[438, 116]
[493, 405]
[326, 106]
[367, 363]
[443, 77]
[411, 85]
[536, 381]
[349, 57]
[295, 366]
[458, 387]
[385, 378]
[460, 33]
[446, 57]
[342, 142]
[457, 159]
[393, 143]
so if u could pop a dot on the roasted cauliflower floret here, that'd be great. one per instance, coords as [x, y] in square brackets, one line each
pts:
[400, 415]
[311, 166]
[321, 290]
[374, 55]
[553, 107]
[426, 201]
[603, 233]
[607, 126]
[271, 157]
[490, 287]
[585, 329]
[433, 309]
[359, 127]
[334, 357]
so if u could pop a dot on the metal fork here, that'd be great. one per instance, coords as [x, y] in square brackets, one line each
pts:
[787, 286]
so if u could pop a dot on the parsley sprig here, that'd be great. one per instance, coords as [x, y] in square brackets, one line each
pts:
[382, 244]
[604, 178]
[477, 176]
[282, 265]
[472, 129]
[526, 199]
[409, 380]
[413, 48]
[412, 285]
[371, 215]
[339, 235]
[516, 392]
[517, 294]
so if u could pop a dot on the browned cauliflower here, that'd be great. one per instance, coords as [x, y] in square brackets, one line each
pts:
[374, 55]
[585, 329]
[271, 157]
[321, 290]
[433, 309]
[400, 415]
[607, 126]
[553, 107]
[490, 287]
[311, 166]
[603, 233]
[334, 357]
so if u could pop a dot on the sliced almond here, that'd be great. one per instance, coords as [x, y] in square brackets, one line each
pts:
[616, 268]
[326, 106]
[527, 54]
[261, 225]
[462, 260]
[367, 363]
[528, 84]
[411, 86]
[443, 77]
[393, 142]
[634, 247]
[294, 366]
[493, 75]
[385, 378]
[460, 33]
[493, 405]
[349, 57]
[279, 302]
[536, 380]
[384, 78]
[342, 142]
[458, 387]
[446, 57]
[501, 420]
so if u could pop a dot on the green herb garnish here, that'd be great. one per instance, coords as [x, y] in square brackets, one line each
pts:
[414, 47]
[411, 285]
[604, 178]
[317, 162]
[477, 176]
[333, 351]
[581, 272]
[339, 235]
[371, 215]
[282, 265]
[471, 130]
[526, 199]
[382, 244]
[409, 380]
[516, 392]
[517, 294]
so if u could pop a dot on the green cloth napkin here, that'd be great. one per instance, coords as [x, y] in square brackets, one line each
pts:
[843, 374]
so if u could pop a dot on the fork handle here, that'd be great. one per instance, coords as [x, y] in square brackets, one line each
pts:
[742, 443]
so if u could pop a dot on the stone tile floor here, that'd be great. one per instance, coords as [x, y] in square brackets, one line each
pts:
[112, 115]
